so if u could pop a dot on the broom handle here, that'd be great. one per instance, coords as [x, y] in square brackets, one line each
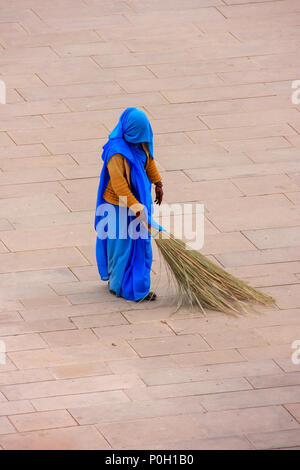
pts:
[154, 232]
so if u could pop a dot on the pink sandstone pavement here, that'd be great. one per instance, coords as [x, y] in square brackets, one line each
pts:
[87, 371]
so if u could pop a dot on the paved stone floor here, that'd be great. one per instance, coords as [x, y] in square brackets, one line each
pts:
[87, 371]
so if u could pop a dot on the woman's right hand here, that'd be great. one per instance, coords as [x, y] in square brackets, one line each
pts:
[142, 217]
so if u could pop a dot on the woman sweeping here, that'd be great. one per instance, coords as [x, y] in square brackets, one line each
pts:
[123, 246]
[124, 215]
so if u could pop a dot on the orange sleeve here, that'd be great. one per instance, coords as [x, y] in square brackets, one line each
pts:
[152, 171]
[119, 183]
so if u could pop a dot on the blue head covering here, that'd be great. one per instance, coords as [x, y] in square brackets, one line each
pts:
[133, 127]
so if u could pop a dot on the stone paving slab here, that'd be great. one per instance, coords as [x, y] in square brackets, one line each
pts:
[87, 371]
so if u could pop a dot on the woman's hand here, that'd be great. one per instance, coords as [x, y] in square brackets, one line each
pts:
[158, 193]
[142, 217]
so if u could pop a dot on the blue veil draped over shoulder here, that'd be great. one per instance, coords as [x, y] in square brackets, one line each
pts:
[133, 127]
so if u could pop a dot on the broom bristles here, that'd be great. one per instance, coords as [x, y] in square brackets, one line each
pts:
[204, 283]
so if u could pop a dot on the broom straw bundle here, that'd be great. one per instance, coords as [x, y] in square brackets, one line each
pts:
[202, 282]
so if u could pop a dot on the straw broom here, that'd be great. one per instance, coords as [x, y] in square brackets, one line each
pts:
[202, 282]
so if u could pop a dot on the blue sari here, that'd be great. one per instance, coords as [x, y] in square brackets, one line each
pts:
[125, 261]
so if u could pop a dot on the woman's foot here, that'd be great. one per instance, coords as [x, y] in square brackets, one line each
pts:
[111, 291]
[150, 296]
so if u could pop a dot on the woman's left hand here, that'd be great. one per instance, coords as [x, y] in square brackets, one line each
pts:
[158, 193]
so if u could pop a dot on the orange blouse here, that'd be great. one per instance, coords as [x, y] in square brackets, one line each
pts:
[119, 182]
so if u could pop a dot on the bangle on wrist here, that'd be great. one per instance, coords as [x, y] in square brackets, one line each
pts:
[159, 184]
